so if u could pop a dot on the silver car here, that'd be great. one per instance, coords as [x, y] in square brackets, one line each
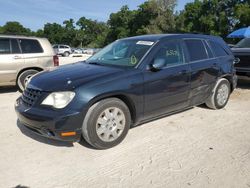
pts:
[22, 57]
[63, 50]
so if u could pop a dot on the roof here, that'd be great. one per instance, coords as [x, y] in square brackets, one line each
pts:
[156, 37]
[20, 36]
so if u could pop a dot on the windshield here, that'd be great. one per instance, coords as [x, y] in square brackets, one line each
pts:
[244, 43]
[126, 53]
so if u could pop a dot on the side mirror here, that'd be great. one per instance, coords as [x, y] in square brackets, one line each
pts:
[236, 60]
[158, 64]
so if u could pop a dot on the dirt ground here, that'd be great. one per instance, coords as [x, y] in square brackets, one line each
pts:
[195, 148]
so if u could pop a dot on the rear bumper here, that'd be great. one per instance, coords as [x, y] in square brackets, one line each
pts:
[50, 124]
[242, 70]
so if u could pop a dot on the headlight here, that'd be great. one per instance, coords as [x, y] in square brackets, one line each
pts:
[59, 99]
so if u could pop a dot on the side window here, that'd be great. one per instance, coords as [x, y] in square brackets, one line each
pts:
[30, 46]
[15, 47]
[196, 49]
[5, 46]
[170, 54]
[217, 49]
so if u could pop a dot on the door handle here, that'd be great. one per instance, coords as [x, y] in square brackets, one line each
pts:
[17, 57]
[183, 72]
[214, 65]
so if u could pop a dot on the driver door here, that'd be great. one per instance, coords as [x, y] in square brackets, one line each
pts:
[167, 89]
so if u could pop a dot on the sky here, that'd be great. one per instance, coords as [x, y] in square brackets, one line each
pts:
[34, 14]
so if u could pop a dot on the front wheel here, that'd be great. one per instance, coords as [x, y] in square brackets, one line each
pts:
[220, 95]
[106, 123]
[24, 78]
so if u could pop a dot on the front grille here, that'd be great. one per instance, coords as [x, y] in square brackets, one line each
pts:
[30, 96]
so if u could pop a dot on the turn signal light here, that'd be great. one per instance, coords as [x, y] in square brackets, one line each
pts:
[68, 134]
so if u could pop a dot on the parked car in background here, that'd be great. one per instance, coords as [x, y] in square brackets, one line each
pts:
[77, 51]
[89, 51]
[22, 57]
[63, 50]
[129, 82]
[242, 51]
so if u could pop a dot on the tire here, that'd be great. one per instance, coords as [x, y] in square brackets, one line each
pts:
[106, 123]
[220, 95]
[24, 77]
[66, 54]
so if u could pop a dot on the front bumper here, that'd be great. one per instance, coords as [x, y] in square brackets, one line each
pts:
[50, 123]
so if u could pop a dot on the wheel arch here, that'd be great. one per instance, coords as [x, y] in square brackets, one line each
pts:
[230, 79]
[123, 97]
[28, 68]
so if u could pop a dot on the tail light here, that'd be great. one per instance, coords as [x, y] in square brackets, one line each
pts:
[56, 60]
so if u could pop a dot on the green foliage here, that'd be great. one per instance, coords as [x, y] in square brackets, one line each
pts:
[15, 28]
[214, 17]
[91, 32]
[242, 14]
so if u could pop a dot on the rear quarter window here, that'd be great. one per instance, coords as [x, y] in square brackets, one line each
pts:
[218, 50]
[196, 49]
[30, 46]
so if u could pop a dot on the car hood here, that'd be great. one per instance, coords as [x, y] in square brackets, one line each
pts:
[70, 76]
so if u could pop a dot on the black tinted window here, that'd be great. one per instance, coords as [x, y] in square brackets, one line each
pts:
[5, 46]
[30, 46]
[196, 49]
[217, 49]
[14, 47]
[170, 54]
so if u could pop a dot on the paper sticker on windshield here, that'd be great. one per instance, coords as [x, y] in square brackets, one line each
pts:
[147, 43]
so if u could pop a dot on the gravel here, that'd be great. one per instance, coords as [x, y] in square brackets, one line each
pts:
[196, 148]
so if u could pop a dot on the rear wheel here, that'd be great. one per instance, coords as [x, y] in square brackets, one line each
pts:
[220, 95]
[106, 123]
[24, 78]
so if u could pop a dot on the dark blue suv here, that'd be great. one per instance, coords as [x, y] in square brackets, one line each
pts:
[129, 82]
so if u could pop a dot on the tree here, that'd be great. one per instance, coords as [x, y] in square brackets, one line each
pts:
[90, 31]
[242, 15]
[165, 20]
[210, 16]
[15, 28]
[69, 33]
[54, 32]
[120, 24]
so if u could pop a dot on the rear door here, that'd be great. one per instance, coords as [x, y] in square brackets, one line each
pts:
[168, 89]
[204, 69]
[11, 59]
